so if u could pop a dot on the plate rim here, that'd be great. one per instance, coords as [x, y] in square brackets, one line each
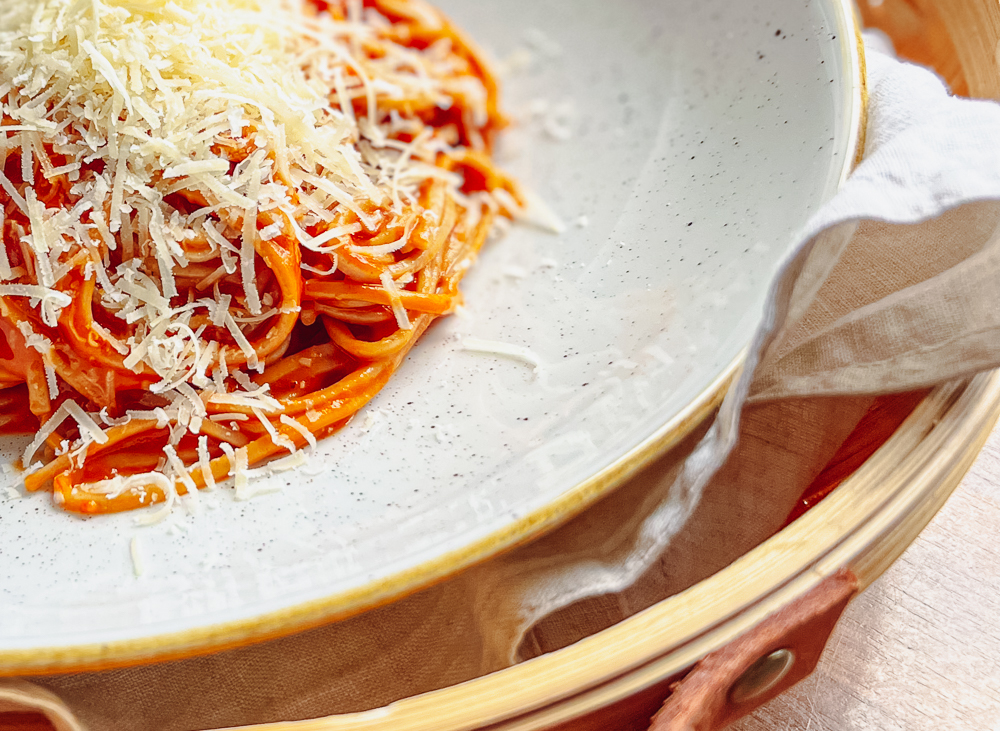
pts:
[220, 636]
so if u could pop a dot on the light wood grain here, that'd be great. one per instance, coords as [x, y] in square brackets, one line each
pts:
[920, 650]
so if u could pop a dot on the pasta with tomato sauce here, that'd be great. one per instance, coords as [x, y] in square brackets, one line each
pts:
[225, 223]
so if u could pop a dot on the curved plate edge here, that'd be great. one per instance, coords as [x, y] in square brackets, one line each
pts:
[272, 625]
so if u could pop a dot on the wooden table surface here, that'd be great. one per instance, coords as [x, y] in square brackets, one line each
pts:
[920, 649]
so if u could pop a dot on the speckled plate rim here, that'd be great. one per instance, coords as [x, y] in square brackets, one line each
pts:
[271, 625]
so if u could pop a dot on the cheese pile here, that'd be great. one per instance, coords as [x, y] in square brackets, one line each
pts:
[144, 98]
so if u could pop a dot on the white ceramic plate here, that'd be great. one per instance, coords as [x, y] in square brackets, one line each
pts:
[700, 136]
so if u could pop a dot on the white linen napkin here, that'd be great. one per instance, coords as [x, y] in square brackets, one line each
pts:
[892, 288]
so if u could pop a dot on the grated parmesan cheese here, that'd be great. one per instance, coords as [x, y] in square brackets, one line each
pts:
[297, 426]
[278, 438]
[138, 566]
[506, 350]
[204, 463]
[138, 103]
[402, 318]
[537, 214]
[150, 89]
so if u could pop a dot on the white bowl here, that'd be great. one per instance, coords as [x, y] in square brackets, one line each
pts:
[700, 137]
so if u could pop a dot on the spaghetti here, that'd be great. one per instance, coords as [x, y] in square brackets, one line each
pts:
[225, 223]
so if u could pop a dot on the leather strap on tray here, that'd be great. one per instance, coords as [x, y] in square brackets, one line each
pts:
[763, 663]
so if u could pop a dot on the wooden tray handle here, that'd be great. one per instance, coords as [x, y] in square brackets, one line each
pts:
[756, 667]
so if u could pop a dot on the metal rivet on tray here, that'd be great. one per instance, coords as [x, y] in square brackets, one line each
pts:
[762, 676]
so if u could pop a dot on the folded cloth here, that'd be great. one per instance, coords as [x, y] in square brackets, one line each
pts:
[893, 288]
